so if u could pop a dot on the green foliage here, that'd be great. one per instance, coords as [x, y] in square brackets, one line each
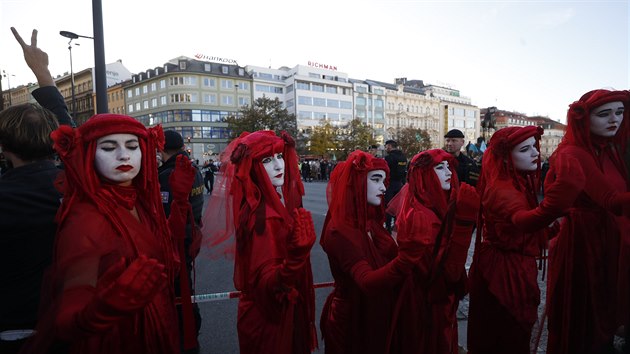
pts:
[340, 141]
[264, 114]
[323, 139]
[356, 135]
[412, 140]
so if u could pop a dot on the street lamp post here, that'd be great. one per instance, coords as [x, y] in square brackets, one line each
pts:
[72, 36]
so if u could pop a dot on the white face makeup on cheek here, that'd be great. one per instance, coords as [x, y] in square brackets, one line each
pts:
[443, 174]
[375, 187]
[274, 165]
[118, 157]
[606, 119]
[525, 155]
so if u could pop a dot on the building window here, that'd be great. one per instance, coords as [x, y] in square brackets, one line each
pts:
[243, 101]
[137, 91]
[163, 100]
[331, 89]
[145, 89]
[345, 104]
[224, 69]
[303, 85]
[361, 89]
[319, 115]
[162, 84]
[137, 106]
[130, 108]
[227, 100]
[305, 114]
[317, 87]
[182, 65]
[321, 102]
[305, 100]
[210, 98]
[243, 86]
[145, 104]
[241, 72]
[332, 103]
[209, 82]
[129, 93]
[290, 88]
[227, 84]
[153, 87]
[360, 101]
[290, 103]
[154, 102]
[207, 67]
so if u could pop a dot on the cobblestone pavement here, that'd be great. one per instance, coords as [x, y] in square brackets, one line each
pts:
[462, 312]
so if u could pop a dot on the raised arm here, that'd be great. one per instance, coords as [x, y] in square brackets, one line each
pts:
[47, 95]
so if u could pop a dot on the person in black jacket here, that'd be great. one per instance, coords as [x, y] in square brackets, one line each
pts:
[28, 200]
[173, 147]
[397, 163]
[467, 169]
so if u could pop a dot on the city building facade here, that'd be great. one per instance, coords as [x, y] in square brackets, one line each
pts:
[192, 97]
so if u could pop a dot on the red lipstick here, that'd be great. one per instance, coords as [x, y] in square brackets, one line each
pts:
[124, 168]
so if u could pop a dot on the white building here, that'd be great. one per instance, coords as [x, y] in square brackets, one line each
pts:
[457, 112]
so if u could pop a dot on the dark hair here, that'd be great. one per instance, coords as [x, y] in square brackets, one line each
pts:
[373, 146]
[393, 143]
[25, 131]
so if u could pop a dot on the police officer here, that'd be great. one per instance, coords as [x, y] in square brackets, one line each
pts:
[397, 163]
[174, 146]
[467, 168]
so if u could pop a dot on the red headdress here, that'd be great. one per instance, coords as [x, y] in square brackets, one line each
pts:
[245, 189]
[497, 160]
[578, 117]
[347, 192]
[579, 123]
[424, 185]
[77, 150]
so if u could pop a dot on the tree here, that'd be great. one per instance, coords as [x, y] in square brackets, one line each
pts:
[355, 135]
[264, 114]
[412, 140]
[323, 139]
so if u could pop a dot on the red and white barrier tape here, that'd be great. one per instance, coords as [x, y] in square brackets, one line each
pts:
[236, 294]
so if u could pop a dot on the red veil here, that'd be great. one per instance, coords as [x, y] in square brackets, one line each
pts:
[243, 190]
[346, 193]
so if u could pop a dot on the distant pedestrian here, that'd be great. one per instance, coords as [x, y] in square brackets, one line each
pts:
[208, 179]
[397, 163]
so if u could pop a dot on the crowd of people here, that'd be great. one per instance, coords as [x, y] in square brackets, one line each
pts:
[97, 254]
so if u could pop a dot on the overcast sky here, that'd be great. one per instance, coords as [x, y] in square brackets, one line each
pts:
[534, 57]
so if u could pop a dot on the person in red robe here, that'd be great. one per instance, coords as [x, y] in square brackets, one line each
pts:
[363, 315]
[589, 278]
[270, 236]
[433, 192]
[504, 293]
[108, 288]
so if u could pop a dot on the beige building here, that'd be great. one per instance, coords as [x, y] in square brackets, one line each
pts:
[192, 97]
[407, 106]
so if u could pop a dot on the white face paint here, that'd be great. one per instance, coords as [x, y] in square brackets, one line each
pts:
[118, 158]
[525, 156]
[274, 165]
[444, 174]
[606, 119]
[375, 187]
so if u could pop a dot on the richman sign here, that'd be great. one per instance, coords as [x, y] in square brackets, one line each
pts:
[322, 66]
[215, 59]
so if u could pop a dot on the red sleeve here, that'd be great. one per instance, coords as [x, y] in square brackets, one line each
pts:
[267, 256]
[352, 260]
[510, 204]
